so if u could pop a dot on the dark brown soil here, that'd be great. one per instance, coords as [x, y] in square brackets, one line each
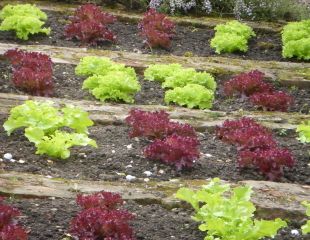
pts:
[117, 156]
[68, 85]
[188, 40]
[49, 219]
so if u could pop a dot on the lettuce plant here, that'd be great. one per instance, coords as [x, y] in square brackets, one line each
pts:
[296, 40]
[231, 37]
[89, 25]
[192, 95]
[159, 72]
[256, 147]
[32, 71]
[9, 230]
[108, 80]
[24, 19]
[228, 214]
[304, 132]
[274, 101]
[101, 218]
[155, 125]
[42, 122]
[157, 29]
[180, 151]
[306, 228]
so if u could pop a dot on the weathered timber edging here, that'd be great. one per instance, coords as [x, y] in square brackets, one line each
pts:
[287, 73]
[271, 199]
[123, 15]
[107, 114]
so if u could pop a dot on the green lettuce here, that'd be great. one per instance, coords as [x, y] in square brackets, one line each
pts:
[192, 95]
[25, 19]
[306, 228]
[227, 214]
[304, 132]
[159, 72]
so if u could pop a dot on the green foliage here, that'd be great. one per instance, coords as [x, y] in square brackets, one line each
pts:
[159, 72]
[296, 40]
[189, 76]
[25, 19]
[192, 95]
[306, 228]
[41, 122]
[227, 214]
[304, 132]
[231, 36]
[108, 80]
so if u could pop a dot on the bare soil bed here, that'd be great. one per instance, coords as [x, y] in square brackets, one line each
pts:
[50, 219]
[68, 85]
[188, 40]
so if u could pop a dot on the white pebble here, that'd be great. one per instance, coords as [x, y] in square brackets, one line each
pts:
[12, 160]
[113, 151]
[146, 179]
[130, 177]
[21, 161]
[129, 166]
[208, 155]
[161, 171]
[129, 146]
[7, 156]
[148, 173]
[295, 232]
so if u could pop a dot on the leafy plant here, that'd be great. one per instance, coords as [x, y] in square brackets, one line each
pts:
[157, 29]
[89, 25]
[174, 150]
[42, 122]
[227, 214]
[274, 101]
[24, 19]
[159, 72]
[100, 218]
[9, 230]
[108, 80]
[246, 84]
[256, 147]
[304, 132]
[155, 125]
[192, 95]
[231, 37]
[32, 71]
[306, 228]
[296, 40]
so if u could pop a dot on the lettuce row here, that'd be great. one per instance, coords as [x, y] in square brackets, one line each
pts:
[227, 214]
[42, 123]
[108, 80]
[231, 37]
[25, 19]
[306, 228]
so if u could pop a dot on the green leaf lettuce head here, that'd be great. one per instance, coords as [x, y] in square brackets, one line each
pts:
[304, 132]
[192, 95]
[231, 37]
[159, 72]
[227, 214]
[189, 76]
[42, 122]
[296, 40]
[306, 228]
[115, 85]
[25, 19]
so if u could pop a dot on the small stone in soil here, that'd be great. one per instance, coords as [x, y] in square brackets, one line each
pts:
[295, 232]
[130, 178]
[7, 156]
[147, 173]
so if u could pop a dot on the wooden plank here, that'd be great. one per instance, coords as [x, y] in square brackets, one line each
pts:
[271, 199]
[123, 15]
[287, 73]
[107, 114]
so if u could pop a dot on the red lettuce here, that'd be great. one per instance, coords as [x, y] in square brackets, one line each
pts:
[270, 162]
[157, 29]
[9, 230]
[100, 218]
[89, 25]
[274, 101]
[32, 72]
[174, 150]
[246, 84]
[155, 125]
